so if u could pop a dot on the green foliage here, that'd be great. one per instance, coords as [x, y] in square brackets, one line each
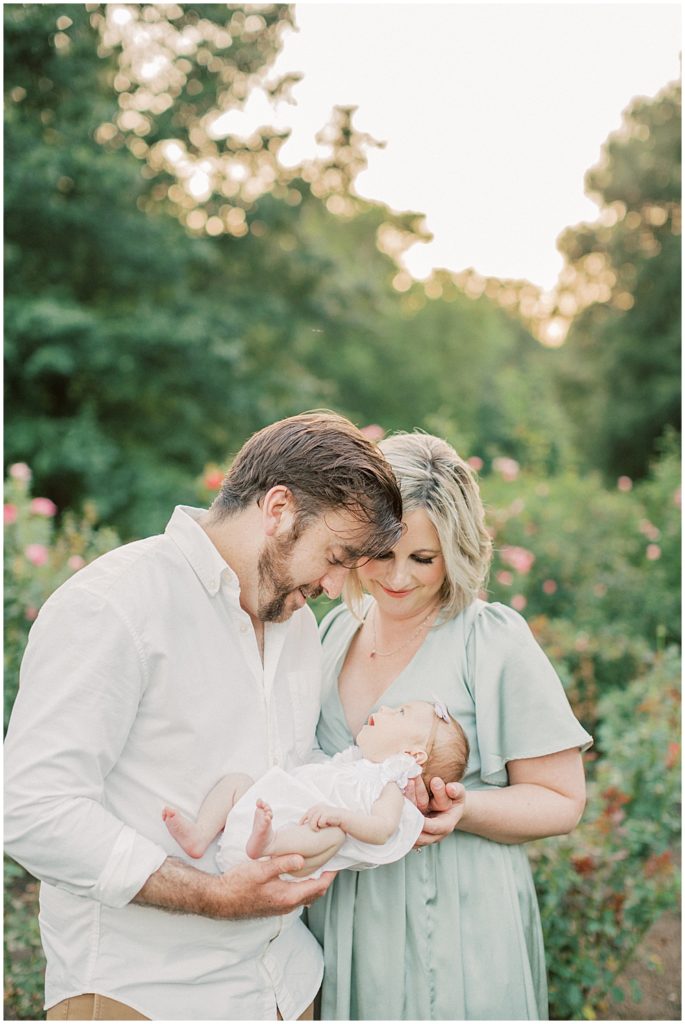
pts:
[601, 887]
[23, 953]
[39, 557]
[139, 349]
[619, 371]
[569, 550]
[150, 329]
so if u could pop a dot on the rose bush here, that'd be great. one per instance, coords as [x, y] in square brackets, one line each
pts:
[582, 562]
[601, 887]
[40, 554]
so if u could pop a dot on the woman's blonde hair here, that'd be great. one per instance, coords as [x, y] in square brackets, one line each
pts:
[432, 477]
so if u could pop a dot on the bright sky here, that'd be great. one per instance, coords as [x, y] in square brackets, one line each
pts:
[491, 113]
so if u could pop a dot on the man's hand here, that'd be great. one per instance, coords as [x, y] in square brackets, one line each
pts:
[322, 816]
[442, 808]
[256, 890]
[248, 890]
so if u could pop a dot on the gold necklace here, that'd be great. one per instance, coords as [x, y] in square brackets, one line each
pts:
[375, 653]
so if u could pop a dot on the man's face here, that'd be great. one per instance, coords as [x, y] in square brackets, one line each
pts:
[293, 568]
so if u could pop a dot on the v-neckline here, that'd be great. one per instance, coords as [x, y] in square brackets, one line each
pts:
[390, 685]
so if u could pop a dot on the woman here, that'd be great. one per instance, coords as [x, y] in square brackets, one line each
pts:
[452, 931]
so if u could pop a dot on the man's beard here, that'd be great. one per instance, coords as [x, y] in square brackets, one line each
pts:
[275, 582]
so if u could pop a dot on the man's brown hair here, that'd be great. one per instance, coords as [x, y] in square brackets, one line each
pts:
[327, 464]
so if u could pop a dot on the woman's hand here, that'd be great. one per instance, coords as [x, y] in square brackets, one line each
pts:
[442, 808]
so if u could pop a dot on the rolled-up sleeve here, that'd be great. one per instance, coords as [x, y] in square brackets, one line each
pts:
[81, 683]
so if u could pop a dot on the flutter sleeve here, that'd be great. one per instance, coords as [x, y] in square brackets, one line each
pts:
[399, 768]
[521, 708]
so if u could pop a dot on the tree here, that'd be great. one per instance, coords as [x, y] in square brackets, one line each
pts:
[619, 371]
[117, 371]
[172, 289]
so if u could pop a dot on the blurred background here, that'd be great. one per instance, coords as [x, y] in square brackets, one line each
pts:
[213, 220]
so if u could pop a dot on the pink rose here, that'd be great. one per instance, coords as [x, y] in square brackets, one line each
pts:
[518, 602]
[505, 578]
[508, 469]
[76, 562]
[653, 552]
[43, 507]
[475, 462]
[20, 471]
[213, 479]
[624, 483]
[519, 559]
[37, 554]
[549, 587]
[373, 432]
[649, 530]
[10, 514]
[31, 613]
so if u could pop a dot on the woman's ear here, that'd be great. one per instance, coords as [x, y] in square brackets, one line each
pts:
[277, 510]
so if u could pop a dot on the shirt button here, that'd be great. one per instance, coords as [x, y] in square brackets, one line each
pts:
[243, 628]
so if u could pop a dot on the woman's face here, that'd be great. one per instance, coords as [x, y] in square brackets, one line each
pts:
[407, 580]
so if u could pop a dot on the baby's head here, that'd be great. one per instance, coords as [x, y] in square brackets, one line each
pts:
[423, 730]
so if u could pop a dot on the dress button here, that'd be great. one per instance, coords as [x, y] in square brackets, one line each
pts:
[243, 628]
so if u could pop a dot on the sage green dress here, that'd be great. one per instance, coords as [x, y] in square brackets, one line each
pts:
[452, 933]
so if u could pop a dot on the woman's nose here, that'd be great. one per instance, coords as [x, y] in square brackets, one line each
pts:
[398, 569]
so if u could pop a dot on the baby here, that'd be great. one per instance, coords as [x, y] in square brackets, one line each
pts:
[348, 812]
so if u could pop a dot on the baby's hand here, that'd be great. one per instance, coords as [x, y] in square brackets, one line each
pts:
[322, 816]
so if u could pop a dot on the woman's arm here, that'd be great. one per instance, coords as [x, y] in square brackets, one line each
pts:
[545, 797]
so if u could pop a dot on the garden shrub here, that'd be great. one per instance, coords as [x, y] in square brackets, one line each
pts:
[601, 887]
[39, 556]
[576, 560]
[606, 561]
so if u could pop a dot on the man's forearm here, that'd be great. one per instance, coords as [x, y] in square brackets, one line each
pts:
[178, 886]
[253, 889]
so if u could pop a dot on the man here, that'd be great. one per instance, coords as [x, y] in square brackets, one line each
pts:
[156, 670]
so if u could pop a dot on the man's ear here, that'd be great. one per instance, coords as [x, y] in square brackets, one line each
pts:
[419, 755]
[278, 510]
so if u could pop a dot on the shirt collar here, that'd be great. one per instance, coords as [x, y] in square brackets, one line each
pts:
[185, 531]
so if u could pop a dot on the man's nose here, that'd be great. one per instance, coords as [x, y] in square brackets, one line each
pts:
[333, 581]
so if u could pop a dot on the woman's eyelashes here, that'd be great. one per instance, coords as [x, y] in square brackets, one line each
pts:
[421, 559]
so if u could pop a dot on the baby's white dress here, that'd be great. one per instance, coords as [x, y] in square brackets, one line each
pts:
[346, 780]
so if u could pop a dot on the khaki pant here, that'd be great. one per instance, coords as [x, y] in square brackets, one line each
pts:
[94, 1007]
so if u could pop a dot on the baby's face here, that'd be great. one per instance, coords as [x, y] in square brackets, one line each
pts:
[396, 730]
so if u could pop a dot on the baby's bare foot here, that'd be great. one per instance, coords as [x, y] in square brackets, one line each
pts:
[185, 832]
[262, 832]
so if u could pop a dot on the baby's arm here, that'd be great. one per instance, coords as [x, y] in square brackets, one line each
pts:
[195, 837]
[375, 827]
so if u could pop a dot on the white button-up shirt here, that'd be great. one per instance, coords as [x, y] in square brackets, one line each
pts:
[142, 685]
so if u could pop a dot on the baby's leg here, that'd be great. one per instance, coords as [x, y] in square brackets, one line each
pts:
[195, 837]
[315, 847]
[262, 833]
